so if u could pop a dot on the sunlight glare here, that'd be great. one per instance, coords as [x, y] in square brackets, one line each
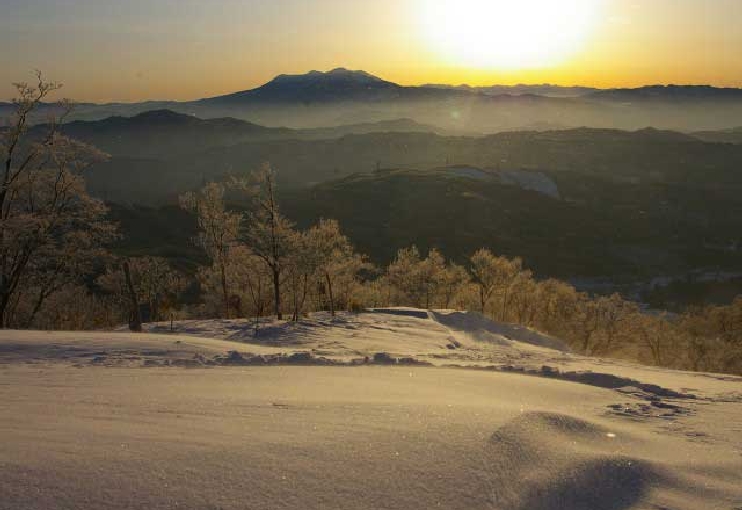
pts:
[508, 34]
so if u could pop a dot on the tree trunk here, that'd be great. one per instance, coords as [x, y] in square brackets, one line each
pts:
[304, 290]
[4, 322]
[258, 314]
[329, 290]
[36, 308]
[295, 285]
[9, 286]
[277, 294]
[135, 323]
[154, 309]
[225, 293]
[505, 305]
[6, 180]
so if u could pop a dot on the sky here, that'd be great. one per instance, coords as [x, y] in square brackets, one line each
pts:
[133, 50]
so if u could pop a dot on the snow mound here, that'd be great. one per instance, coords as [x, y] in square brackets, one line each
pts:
[478, 326]
[548, 461]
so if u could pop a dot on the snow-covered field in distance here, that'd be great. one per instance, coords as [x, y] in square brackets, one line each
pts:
[506, 418]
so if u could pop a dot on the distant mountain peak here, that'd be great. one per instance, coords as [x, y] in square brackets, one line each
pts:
[332, 76]
[338, 71]
[319, 86]
[342, 71]
[669, 92]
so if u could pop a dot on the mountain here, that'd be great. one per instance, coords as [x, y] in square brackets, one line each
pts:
[597, 226]
[382, 126]
[315, 86]
[669, 93]
[165, 134]
[345, 97]
[733, 135]
[563, 224]
[546, 89]
[572, 202]
[307, 157]
[337, 85]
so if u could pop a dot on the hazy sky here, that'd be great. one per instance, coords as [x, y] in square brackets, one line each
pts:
[182, 49]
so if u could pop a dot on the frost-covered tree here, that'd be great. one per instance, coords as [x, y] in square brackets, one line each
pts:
[218, 232]
[154, 281]
[492, 275]
[269, 234]
[452, 281]
[425, 282]
[50, 228]
[332, 259]
[404, 275]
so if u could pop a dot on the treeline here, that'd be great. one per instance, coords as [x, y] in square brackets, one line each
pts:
[262, 266]
[57, 273]
[260, 263]
[701, 339]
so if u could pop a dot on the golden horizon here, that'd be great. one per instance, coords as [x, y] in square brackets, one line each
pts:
[152, 51]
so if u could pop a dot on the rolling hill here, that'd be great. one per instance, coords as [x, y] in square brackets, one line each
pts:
[574, 202]
[166, 134]
[595, 227]
[732, 135]
[167, 164]
[579, 202]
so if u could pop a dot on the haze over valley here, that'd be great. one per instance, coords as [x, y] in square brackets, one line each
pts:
[584, 202]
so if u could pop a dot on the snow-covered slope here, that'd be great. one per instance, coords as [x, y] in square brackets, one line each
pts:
[524, 179]
[96, 420]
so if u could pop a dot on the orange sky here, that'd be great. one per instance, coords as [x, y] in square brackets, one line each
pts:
[106, 50]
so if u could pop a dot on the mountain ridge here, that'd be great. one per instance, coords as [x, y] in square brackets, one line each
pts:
[357, 81]
[339, 84]
[343, 97]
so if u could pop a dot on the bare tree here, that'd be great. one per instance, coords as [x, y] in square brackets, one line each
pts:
[432, 274]
[17, 160]
[135, 322]
[405, 276]
[332, 257]
[219, 230]
[301, 265]
[452, 281]
[48, 222]
[656, 334]
[557, 304]
[523, 295]
[270, 235]
[258, 283]
[492, 274]
[153, 282]
[614, 314]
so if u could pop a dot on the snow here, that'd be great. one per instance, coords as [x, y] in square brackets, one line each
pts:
[470, 172]
[532, 181]
[76, 433]
[524, 179]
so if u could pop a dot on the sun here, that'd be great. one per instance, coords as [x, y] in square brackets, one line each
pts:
[508, 34]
